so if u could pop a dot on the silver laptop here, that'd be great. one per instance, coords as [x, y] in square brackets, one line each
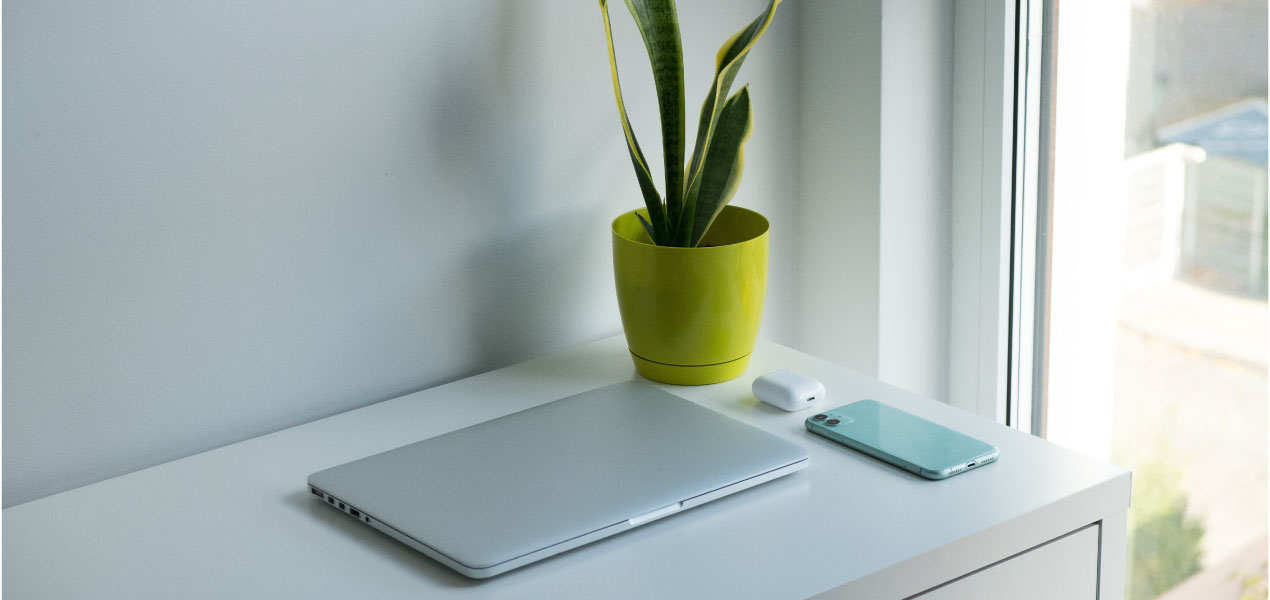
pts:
[517, 489]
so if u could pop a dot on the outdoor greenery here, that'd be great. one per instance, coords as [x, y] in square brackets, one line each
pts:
[1164, 542]
[1253, 587]
[695, 193]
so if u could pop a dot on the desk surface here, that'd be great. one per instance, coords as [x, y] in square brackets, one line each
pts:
[239, 521]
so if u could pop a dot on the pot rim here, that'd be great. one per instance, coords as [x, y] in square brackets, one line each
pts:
[764, 228]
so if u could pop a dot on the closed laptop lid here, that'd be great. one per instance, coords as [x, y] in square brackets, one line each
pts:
[508, 487]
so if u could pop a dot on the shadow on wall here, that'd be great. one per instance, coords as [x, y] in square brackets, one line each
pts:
[522, 272]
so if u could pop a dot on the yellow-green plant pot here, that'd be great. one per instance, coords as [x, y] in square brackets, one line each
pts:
[691, 315]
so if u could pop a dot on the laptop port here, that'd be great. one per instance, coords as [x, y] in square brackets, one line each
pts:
[315, 492]
[354, 512]
[330, 500]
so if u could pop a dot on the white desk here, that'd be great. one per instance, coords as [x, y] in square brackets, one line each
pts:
[239, 522]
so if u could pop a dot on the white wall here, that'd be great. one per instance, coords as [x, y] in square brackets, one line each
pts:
[222, 220]
[875, 241]
[839, 181]
[915, 250]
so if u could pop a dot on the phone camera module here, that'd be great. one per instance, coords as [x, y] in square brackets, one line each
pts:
[832, 422]
[820, 417]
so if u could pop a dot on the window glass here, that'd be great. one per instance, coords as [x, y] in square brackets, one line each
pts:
[1157, 309]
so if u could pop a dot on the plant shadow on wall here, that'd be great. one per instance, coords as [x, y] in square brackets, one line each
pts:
[524, 272]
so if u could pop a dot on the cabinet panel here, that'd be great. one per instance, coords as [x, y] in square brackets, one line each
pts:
[1064, 569]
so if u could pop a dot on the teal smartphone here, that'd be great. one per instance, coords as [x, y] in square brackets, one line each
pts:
[902, 439]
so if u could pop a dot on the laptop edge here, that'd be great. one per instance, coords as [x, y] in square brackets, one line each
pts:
[483, 572]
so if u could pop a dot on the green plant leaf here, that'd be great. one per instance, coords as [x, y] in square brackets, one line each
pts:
[660, 234]
[647, 227]
[721, 174]
[727, 64]
[658, 24]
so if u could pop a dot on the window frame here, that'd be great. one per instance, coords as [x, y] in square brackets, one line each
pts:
[1003, 69]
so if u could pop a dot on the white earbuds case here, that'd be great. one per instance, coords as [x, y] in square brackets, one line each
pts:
[788, 390]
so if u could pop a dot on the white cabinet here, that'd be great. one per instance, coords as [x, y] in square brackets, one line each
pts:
[1062, 569]
[239, 521]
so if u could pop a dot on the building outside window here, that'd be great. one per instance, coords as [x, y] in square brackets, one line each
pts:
[1156, 346]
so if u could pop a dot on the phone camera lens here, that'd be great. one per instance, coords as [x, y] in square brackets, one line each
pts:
[820, 417]
[832, 422]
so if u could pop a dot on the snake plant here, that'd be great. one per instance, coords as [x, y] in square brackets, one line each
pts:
[695, 193]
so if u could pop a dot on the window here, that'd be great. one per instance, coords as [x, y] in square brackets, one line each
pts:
[1138, 272]
[1109, 252]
